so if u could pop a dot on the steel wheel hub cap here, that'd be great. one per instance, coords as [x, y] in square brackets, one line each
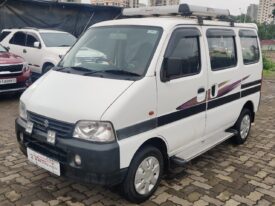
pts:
[245, 126]
[147, 175]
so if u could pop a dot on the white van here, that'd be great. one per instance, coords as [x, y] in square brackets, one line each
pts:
[161, 91]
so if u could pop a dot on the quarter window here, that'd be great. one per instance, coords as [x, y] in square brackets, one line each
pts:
[222, 49]
[250, 47]
[19, 38]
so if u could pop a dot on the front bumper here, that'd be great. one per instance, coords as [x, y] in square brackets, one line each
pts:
[100, 162]
[22, 83]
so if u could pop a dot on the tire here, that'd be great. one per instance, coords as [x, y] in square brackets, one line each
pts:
[47, 68]
[243, 126]
[129, 190]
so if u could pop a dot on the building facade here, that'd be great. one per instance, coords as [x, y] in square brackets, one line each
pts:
[265, 11]
[163, 2]
[119, 3]
[252, 11]
[133, 3]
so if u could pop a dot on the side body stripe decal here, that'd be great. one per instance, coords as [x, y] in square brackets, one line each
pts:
[250, 84]
[181, 114]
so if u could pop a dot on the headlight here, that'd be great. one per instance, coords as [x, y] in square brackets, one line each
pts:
[94, 131]
[23, 111]
[25, 66]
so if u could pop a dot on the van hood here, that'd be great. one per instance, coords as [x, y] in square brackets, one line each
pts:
[70, 98]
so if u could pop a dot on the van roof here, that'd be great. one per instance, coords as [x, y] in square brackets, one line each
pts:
[171, 21]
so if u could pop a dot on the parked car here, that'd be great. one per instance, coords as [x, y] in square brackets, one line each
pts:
[41, 48]
[153, 94]
[14, 72]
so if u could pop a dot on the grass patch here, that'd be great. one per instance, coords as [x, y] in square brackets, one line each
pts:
[269, 74]
[269, 68]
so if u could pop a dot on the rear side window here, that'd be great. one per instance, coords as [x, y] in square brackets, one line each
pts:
[250, 46]
[19, 38]
[184, 48]
[222, 48]
[3, 35]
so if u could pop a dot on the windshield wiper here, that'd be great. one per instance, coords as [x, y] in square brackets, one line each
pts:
[113, 71]
[83, 69]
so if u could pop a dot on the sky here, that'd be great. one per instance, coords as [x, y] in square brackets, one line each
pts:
[236, 7]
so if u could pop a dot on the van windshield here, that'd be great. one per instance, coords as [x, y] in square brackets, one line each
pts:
[114, 50]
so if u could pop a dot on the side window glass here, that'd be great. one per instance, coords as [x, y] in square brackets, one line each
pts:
[3, 35]
[222, 49]
[19, 38]
[30, 40]
[182, 57]
[250, 46]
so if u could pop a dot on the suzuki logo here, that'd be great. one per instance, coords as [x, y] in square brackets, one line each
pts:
[46, 123]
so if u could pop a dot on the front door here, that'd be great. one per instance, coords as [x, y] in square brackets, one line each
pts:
[17, 44]
[182, 91]
[33, 54]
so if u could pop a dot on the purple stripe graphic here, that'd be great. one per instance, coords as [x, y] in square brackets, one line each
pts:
[222, 91]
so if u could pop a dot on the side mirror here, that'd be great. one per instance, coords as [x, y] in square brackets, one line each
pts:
[171, 68]
[37, 45]
[7, 48]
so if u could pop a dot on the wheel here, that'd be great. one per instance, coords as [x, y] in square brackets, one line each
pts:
[144, 175]
[47, 68]
[243, 126]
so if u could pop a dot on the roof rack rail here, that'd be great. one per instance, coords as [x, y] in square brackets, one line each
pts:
[185, 10]
[27, 27]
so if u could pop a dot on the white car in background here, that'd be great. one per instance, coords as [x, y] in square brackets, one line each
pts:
[41, 48]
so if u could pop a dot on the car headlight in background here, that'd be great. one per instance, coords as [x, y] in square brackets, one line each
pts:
[25, 66]
[23, 111]
[94, 131]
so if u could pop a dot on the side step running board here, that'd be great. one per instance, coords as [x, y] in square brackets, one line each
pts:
[232, 131]
[178, 161]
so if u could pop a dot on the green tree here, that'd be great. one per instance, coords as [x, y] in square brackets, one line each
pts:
[243, 18]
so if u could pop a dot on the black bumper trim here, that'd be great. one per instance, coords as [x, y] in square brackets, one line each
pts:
[100, 162]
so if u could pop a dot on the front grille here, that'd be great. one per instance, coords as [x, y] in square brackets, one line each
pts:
[44, 124]
[11, 68]
[12, 86]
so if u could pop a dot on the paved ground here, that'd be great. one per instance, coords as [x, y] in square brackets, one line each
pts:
[226, 175]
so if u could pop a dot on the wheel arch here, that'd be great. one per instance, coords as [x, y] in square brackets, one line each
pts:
[250, 106]
[48, 63]
[160, 144]
[45, 64]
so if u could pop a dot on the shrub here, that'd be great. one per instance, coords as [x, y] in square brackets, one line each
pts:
[268, 64]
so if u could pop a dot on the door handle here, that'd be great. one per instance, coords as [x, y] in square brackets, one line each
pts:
[214, 91]
[201, 95]
[201, 90]
[24, 51]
